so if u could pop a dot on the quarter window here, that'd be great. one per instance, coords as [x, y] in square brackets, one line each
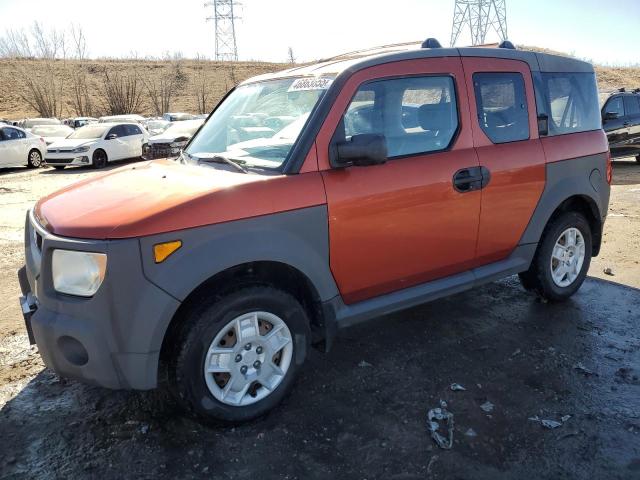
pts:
[13, 134]
[415, 115]
[501, 100]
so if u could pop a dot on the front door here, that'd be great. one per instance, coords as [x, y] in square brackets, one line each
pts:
[614, 125]
[116, 144]
[403, 223]
[632, 107]
[506, 138]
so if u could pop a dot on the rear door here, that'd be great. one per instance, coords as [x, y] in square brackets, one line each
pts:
[632, 121]
[14, 152]
[505, 135]
[615, 128]
[403, 223]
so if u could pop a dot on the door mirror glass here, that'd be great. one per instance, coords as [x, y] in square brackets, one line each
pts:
[610, 115]
[361, 150]
[111, 136]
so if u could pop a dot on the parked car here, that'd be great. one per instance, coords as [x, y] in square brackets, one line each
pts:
[29, 123]
[177, 117]
[621, 122]
[171, 141]
[156, 127]
[81, 121]
[19, 147]
[98, 144]
[122, 118]
[52, 133]
[226, 264]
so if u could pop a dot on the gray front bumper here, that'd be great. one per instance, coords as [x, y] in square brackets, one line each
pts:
[112, 339]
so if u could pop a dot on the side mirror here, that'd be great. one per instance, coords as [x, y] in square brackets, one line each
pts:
[361, 150]
[610, 115]
[111, 136]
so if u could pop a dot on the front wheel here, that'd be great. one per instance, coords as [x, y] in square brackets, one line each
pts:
[562, 260]
[236, 357]
[99, 159]
[34, 160]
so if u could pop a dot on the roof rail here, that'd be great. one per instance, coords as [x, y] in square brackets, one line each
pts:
[431, 43]
[507, 44]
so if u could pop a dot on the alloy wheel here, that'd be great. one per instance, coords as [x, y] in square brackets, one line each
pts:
[567, 257]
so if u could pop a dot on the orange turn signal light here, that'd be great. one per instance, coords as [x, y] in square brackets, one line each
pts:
[161, 251]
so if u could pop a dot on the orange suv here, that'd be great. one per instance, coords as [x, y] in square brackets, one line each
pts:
[313, 199]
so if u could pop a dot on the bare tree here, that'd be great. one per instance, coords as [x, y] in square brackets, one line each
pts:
[80, 99]
[42, 92]
[15, 44]
[160, 92]
[121, 93]
[201, 91]
[79, 42]
[290, 56]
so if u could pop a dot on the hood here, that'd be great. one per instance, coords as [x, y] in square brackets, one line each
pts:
[164, 138]
[163, 196]
[71, 142]
[50, 140]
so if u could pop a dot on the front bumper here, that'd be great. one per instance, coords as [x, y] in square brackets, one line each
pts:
[67, 159]
[112, 339]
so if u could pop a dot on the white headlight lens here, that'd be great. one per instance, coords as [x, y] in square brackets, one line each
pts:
[78, 273]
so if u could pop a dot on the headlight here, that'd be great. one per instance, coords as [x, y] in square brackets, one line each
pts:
[178, 144]
[78, 273]
[81, 149]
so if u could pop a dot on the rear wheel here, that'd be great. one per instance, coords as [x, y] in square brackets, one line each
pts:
[237, 357]
[34, 160]
[99, 159]
[562, 260]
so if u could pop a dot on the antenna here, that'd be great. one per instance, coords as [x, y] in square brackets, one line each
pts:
[224, 21]
[480, 16]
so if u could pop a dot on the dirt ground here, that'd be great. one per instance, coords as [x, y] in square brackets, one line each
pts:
[360, 411]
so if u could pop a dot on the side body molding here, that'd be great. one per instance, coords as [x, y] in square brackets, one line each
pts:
[298, 238]
[584, 177]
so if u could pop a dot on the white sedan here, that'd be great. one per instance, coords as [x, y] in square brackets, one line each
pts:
[97, 144]
[18, 147]
[52, 133]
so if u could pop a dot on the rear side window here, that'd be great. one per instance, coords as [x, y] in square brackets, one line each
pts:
[13, 134]
[614, 105]
[502, 106]
[415, 114]
[632, 105]
[571, 102]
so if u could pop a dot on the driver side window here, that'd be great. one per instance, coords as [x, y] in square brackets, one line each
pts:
[615, 105]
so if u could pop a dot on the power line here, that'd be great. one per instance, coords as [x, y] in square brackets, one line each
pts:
[225, 29]
[481, 16]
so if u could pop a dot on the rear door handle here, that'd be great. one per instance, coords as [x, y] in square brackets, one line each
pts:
[471, 179]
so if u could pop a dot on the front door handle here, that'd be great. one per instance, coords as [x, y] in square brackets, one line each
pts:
[471, 179]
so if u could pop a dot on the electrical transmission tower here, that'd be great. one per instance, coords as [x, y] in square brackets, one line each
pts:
[224, 19]
[480, 16]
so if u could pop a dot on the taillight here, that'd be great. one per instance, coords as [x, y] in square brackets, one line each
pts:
[609, 168]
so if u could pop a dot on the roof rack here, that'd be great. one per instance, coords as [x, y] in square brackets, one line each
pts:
[507, 44]
[431, 43]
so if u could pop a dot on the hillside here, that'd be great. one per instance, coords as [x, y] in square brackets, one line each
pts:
[191, 79]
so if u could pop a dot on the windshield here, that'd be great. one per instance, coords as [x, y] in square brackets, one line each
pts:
[41, 121]
[185, 128]
[51, 131]
[89, 131]
[259, 123]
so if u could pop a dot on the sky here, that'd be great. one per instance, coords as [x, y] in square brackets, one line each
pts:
[603, 32]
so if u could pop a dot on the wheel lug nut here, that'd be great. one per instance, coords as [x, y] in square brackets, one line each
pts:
[259, 350]
[247, 346]
[238, 358]
[256, 364]
[243, 369]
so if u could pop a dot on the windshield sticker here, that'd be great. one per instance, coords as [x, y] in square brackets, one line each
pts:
[310, 84]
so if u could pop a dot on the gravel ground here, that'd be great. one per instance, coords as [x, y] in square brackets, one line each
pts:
[361, 410]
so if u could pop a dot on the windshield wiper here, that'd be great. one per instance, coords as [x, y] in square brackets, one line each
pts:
[238, 164]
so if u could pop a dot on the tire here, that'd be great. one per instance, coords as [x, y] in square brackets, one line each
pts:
[59, 167]
[215, 323]
[638, 159]
[99, 159]
[540, 277]
[34, 159]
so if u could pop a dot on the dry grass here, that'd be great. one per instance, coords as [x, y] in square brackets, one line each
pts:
[218, 77]
[215, 78]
